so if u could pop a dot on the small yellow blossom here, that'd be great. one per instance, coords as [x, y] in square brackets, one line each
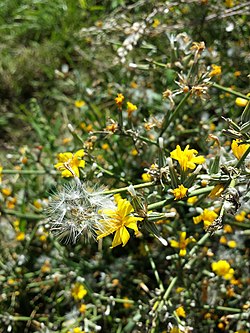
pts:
[192, 200]
[69, 163]
[105, 146]
[146, 177]
[232, 244]
[156, 23]
[11, 202]
[38, 204]
[187, 158]
[118, 220]
[133, 85]
[239, 149]
[222, 268]
[78, 291]
[65, 141]
[20, 236]
[46, 267]
[11, 281]
[227, 228]
[79, 103]
[127, 304]
[208, 216]
[82, 308]
[180, 312]
[216, 70]
[182, 244]
[216, 191]
[237, 73]
[198, 47]
[179, 289]
[76, 330]
[134, 152]
[223, 240]
[119, 100]
[242, 102]
[229, 3]
[241, 216]
[131, 108]
[6, 191]
[179, 192]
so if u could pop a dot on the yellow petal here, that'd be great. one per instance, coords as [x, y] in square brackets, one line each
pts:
[79, 153]
[174, 243]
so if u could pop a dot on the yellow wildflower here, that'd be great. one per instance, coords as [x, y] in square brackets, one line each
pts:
[242, 102]
[239, 149]
[187, 158]
[227, 228]
[20, 236]
[240, 217]
[179, 192]
[179, 289]
[232, 244]
[65, 141]
[131, 108]
[118, 221]
[119, 100]
[82, 308]
[216, 70]
[182, 244]
[105, 146]
[216, 191]
[127, 304]
[229, 3]
[134, 152]
[76, 330]
[11, 202]
[223, 240]
[69, 163]
[156, 23]
[6, 191]
[78, 291]
[208, 216]
[237, 73]
[180, 312]
[79, 103]
[133, 85]
[222, 268]
[146, 177]
[38, 204]
[192, 200]
[46, 267]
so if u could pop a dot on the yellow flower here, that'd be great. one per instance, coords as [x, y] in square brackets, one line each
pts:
[156, 23]
[76, 330]
[242, 102]
[78, 291]
[119, 100]
[127, 304]
[6, 191]
[240, 217]
[146, 177]
[192, 200]
[232, 244]
[216, 191]
[238, 149]
[180, 312]
[182, 244]
[229, 3]
[131, 108]
[105, 146]
[179, 192]
[222, 268]
[20, 236]
[187, 158]
[216, 70]
[237, 73]
[82, 308]
[79, 103]
[118, 221]
[208, 216]
[69, 163]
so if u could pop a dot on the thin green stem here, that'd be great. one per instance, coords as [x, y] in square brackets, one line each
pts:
[125, 189]
[167, 120]
[230, 91]
[152, 263]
